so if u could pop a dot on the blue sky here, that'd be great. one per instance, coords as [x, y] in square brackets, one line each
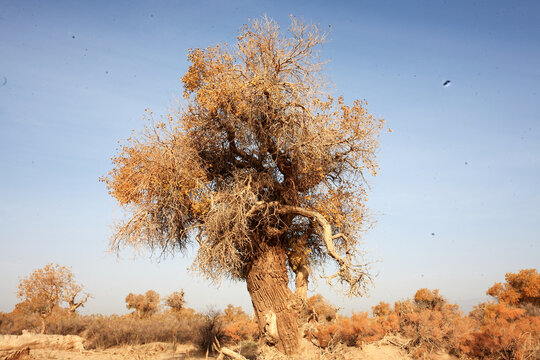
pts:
[457, 198]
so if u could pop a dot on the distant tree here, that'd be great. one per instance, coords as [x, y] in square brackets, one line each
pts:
[382, 309]
[233, 314]
[520, 289]
[176, 301]
[320, 310]
[263, 169]
[144, 305]
[429, 299]
[46, 288]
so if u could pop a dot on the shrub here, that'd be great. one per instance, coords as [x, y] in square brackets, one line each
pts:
[210, 331]
[520, 288]
[105, 332]
[386, 317]
[504, 332]
[429, 299]
[320, 310]
[238, 326]
[353, 331]
[432, 324]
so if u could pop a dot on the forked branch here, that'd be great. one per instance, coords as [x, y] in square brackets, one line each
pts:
[356, 276]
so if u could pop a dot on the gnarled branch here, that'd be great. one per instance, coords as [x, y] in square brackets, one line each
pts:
[355, 275]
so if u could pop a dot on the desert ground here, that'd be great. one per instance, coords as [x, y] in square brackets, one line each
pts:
[68, 348]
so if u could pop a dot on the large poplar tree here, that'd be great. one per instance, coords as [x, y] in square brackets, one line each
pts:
[262, 170]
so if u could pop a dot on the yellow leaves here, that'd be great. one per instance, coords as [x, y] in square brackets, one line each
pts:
[47, 287]
[256, 111]
[520, 288]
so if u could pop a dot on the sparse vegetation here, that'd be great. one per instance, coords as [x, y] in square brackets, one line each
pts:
[509, 329]
[427, 324]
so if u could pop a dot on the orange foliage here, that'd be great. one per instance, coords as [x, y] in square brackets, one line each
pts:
[45, 289]
[504, 332]
[237, 325]
[261, 152]
[353, 331]
[520, 288]
[384, 315]
[429, 299]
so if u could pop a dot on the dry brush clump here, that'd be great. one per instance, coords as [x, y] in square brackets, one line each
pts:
[351, 331]
[504, 330]
[105, 332]
[238, 326]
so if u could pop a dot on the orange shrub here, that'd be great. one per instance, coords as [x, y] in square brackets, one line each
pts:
[385, 316]
[504, 332]
[520, 288]
[429, 299]
[237, 325]
[353, 331]
[432, 324]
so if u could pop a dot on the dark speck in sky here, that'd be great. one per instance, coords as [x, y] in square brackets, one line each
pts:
[73, 36]
[4, 81]
[446, 83]
[466, 163]
[432, 234]
[106, 72]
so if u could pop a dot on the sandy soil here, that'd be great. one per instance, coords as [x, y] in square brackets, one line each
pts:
[381, 350]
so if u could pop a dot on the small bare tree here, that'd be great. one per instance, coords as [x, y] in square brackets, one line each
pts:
[144, 305]
[263, 170]
[46, 288]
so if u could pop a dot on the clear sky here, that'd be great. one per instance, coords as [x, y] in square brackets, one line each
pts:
[457, 199]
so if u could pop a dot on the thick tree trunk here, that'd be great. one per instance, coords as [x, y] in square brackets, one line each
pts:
[274, 303]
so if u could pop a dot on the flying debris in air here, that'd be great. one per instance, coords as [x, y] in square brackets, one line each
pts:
[446, 83]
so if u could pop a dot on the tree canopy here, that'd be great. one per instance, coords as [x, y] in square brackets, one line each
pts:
[47, 288]
[145, 304]
[520, 288]
[260, 147]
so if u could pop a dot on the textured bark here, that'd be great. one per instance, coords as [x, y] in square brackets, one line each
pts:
[300, 291]
[301, 283]
[274, 303]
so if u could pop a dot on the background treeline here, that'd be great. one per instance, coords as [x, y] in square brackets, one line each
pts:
[506, 328]
[230, 326]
